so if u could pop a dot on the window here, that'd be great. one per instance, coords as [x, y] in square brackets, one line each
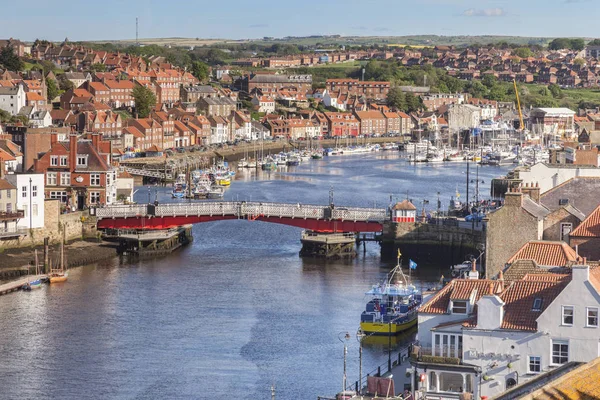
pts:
[81, 161]
[94, 197]
[35, 210]
[63, 161]
[25, 211]
[34, 191]
[24, 191]
[53, 161]
[65, 179]
[565, 230]
[537, 304]
[535, 364]
[567, 315]
[51, 178]
[560, 351]
[592, 317]
[62, 196]
[459, 307]
[95, 180]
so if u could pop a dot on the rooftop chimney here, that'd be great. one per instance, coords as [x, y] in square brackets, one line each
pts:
[72, 151]
[96, 140]
[53, 138]
[501, 276]
[513, 198]
[473, 274]
[532, 191]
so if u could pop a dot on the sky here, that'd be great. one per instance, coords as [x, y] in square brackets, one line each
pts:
[239, 19]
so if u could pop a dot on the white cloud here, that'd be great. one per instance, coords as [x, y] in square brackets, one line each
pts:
[487, 12]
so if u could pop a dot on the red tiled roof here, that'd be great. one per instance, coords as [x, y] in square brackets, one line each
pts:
[34, 96]
[519, 298]
[546, 253]
[405, 205]
[590, 227]
[459, 289]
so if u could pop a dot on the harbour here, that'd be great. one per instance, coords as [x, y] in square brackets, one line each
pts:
[235, 318]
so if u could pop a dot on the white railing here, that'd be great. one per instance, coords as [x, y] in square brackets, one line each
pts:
[245, 210]
[122, 211]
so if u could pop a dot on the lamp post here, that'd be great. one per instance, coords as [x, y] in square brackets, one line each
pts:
[359, 337]
[30, 208]
[344, 340]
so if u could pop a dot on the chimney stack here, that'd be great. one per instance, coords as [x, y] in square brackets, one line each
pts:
[96, 140]
[53, 138]
[501, 276]
[72, 151]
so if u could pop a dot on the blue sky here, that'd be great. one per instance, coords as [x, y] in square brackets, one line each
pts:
[237, 19]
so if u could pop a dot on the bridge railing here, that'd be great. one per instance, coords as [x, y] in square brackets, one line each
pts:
[359, 214]
[120, 211]
[249, 210]
[204, 208]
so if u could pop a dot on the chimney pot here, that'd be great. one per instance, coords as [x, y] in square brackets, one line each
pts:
[584, 260]
[474, 265]
[491, 289]
[501, 276]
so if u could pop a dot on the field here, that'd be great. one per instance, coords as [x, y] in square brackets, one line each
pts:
[418, 41]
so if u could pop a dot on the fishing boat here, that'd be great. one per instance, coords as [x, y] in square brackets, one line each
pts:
[178, 191]
[393, 306]
[293, 160]
[316, 155]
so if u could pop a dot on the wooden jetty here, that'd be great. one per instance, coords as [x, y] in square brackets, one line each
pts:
[12, 286]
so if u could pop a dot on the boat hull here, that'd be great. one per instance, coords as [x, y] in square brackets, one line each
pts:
[384, 329]
[58, 279]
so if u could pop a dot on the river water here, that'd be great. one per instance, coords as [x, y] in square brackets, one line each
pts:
[227, 316]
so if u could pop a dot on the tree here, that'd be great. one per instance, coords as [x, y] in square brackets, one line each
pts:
[64, 84]
[595, 42]
[413, 103]
[52, 89]
[577, 44]
[489, 80]
[396, 99]
[523, 52]
[200, 70]
[98, 67]
[145, 100]
[565, 43]
[579, 61]
[555, 90]
[10, 59]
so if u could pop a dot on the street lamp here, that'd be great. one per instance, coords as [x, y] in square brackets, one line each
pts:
[359, 337]
[346, 337]
[30, 208]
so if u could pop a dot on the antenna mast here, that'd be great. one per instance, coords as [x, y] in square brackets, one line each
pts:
[137, 41]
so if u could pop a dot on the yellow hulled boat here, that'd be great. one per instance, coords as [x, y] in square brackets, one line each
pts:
[393, 306]
[58, 277]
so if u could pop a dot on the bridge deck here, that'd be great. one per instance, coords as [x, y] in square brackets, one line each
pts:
[162, 216]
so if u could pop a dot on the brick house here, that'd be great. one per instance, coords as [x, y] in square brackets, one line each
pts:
[191, 94]
[120, 93]
[200, 128]
[371, 122]
[167, 122]
[369, 89]
[216, 106]
[342, 124]
[151, 129]
[183, 135]
[98, 90]
[78, 172]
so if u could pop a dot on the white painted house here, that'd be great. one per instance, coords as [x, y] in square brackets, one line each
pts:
[263, 104]
[331, 100]
[493, 336]
[549, 176]
[30, 199]
[12, 99]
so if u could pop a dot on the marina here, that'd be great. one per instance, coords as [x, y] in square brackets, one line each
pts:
[281, 313]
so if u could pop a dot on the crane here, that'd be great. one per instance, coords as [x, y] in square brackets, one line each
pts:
[521, 125]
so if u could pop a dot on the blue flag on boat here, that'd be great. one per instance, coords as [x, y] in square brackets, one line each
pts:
[412, 264]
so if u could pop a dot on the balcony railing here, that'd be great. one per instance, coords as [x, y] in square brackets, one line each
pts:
[12, 215]
[438, 354]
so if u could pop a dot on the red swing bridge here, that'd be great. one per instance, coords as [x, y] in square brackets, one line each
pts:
[329, 231]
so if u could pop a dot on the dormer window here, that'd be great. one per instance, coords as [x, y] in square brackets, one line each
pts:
[459, 307]
[82, 160]
[537, 304]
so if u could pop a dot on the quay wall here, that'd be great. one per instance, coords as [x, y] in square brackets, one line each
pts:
[447, 242]
[57, 228]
